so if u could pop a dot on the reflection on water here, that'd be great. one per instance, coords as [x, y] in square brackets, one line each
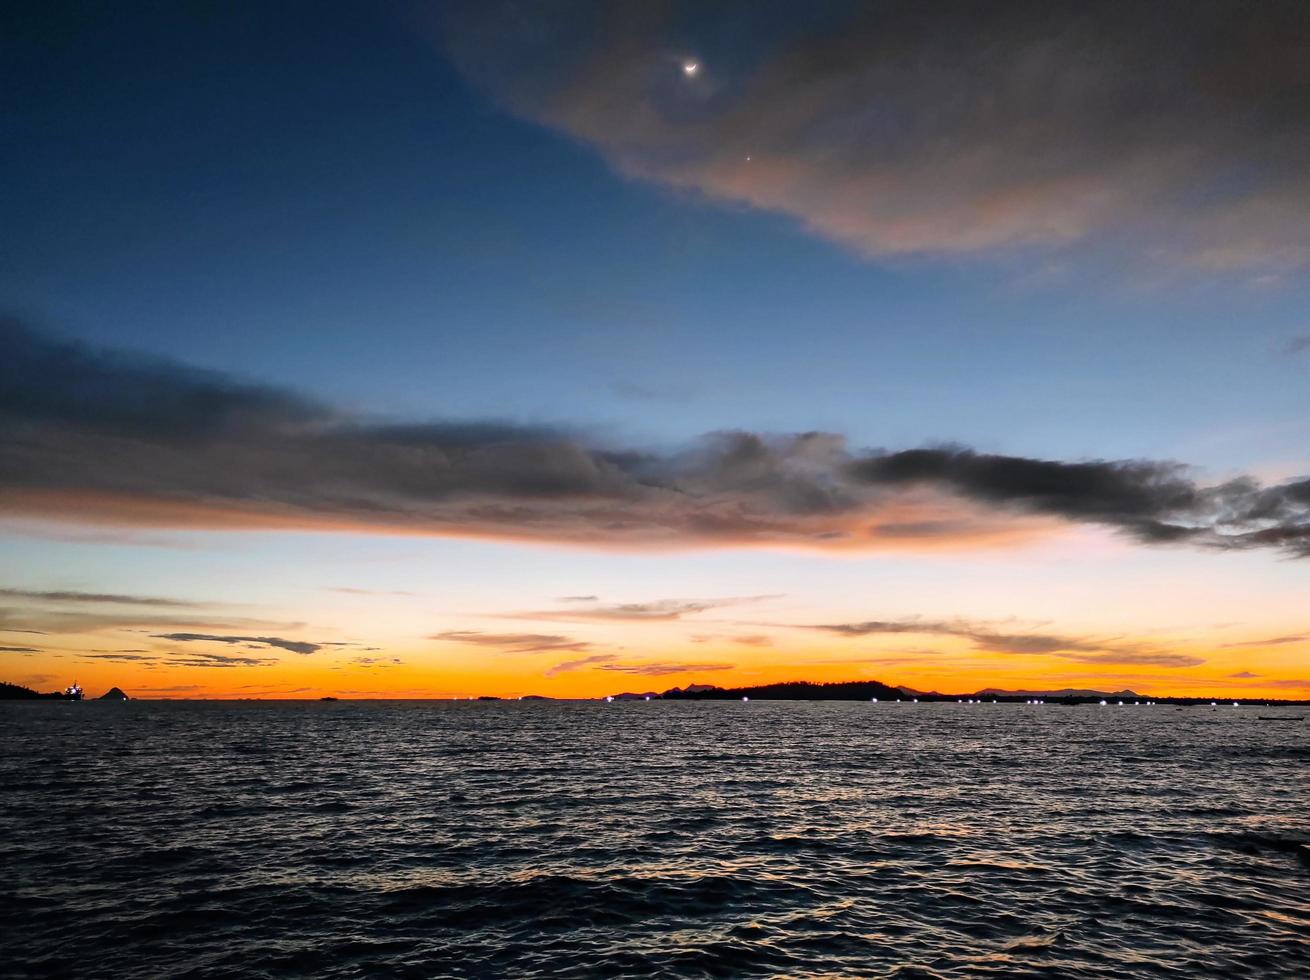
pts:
[538, 838]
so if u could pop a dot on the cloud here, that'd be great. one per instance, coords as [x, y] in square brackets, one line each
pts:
[1128, 656]
[198, 659]
[1272, 641]
[349, 591]
[91, 597]
[577, 598]
[124, 657]
[1170, 130]
[661, 669]
[513, 642]
[1295, 684]
[568, 665]
[61, 619]
[662, 610]
[19, 650]
[746, 640]
[1296, 345]
[1242, 674]
[78, 444]
[293, 646]
[986, 637]
[182, 659]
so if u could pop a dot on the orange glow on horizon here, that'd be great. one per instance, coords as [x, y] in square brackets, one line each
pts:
[440, 674]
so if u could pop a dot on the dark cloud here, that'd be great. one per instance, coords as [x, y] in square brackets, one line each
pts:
[986, 637]
[121, 394]
[293, 646]
[19, 650]
[1243, 675]
[1154, 502]
[1173, 129]
[1289, 683]
[514, 642]
[91, 597]
[275, 461]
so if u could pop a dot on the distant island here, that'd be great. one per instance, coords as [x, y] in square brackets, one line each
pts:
[16, 692]
[870, 690]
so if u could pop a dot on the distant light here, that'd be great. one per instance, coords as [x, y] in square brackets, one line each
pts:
[690, 68]
[647, 697]
[1102, 702]
[1235, 704]
[748, 159]
[874, 700]
[916, 700]
[609, 697]
[744, 698]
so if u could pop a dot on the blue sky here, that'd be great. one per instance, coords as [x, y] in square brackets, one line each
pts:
[326, 195]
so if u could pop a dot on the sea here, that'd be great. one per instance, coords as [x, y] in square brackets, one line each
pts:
[663, 839]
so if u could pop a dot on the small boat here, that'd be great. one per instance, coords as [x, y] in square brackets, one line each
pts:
[72, 692]
[1281, 717]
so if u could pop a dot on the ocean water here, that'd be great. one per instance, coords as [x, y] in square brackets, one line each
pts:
[518, 839]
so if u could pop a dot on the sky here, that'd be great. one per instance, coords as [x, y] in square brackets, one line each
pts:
[443, 350]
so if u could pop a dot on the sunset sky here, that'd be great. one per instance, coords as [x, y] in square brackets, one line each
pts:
[498, 348]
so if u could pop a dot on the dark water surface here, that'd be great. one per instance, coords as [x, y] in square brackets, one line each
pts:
[704, 839]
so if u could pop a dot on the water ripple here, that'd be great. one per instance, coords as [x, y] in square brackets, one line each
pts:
[661, 839]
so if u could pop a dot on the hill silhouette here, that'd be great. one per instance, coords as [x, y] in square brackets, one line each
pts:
[788, 691]
[868, 690]
[16, 692]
